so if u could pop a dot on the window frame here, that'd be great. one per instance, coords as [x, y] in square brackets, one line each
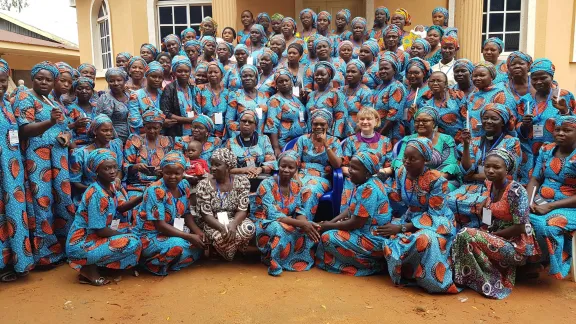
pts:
[96, 39]
[104, 20]
[172, 4]
[524, 25]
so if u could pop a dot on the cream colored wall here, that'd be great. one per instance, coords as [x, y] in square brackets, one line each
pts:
[421, 11]
[285, 7]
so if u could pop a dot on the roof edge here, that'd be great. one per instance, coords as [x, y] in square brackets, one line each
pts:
[37, 31]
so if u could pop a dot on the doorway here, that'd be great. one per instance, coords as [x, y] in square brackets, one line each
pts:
[356, 7]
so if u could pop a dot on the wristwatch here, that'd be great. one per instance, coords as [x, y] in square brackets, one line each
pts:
[403, 228]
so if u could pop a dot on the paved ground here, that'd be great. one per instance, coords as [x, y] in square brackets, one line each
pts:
[242, 292]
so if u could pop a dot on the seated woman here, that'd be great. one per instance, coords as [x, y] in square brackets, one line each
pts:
[417, 247]
[365, 140]
[82, 112]
[114, 103]
[142, 154]
[486, 260]
[222, 202]
[247, 98]
[466, 201]
[348, 243]
[147, 98]
[177, 97]
[253, 151]
[284, 234]
[443, 151]
[211, 99]
[202, 127]
[553, 209]
[357, 95]
[102, 135]
[319, 154]
[171, 240]
[286, 114]
[98, 237]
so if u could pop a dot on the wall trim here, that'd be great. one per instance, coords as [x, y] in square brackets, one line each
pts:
[451, 12]
[151, 16]
[94, 32]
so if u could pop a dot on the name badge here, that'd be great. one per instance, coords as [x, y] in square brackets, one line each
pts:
[250, 60]
[250, 163]
[301, 116]
[480, 169]
[115, 224]
[478, 127]
[218, 119]
[538, 131]
[259, 112]
[296, 91]
[486, 216]
[179, 223]
[223, 218]
[190, 114]
[13, 137]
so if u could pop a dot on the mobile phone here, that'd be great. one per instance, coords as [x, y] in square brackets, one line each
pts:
[151, 169]
[538, 200]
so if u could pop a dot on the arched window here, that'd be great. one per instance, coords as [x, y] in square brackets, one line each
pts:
[103, 23]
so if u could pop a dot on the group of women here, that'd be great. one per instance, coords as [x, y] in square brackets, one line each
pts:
[453, 177]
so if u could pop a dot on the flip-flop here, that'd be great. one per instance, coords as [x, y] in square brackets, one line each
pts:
[8, 276]
[98, 282]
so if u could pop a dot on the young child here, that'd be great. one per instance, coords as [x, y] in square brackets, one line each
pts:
[195, 165]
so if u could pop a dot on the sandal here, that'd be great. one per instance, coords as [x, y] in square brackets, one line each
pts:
[97, 282]
[8, 276]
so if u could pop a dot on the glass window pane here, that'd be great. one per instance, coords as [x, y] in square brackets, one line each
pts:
[513, 22]
[501, 36]
[512, 42]
[180, 15]
[165, 31]
[197, 29]
[165, 15]
[484, 23]
[497, 5]
[496, 22]
[485, 6]
[207, 11]
[178, 30]
[514, 5]
[483, 38]
[195, 14]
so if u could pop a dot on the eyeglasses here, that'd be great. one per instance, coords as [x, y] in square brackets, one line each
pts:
[245, 121]
[435, 81]
[423, 121]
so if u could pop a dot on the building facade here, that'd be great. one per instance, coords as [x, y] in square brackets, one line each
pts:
[542, 28]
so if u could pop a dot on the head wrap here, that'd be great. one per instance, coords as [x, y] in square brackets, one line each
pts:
[497, 41]
[324, 114]
[218, 65]
[570, 120]
[180, 60]
[64, 67]
[95, 159]
[509, 158]
[86, 66]
[370, 160]
[263, 15]
[285, 72]
[385, 11]
[225, 155]
[359, 64]
[280, 38]
[423, 145]
[186, 31]
[205, 121]
[4, 67]
[373, 46]
[543, 64]
[98, 121]
[392, 29]
[292, 21]
[135, 59]
[502, 111]
[346, 13]
[271, 53]
[517, 54]
[125, 55]
[326, 65]
[173, 158]
[194, 43]
[407, 18]
[444, 12]
[392, 58]
[277, 16]
[424, 44]
[75, 74]
[153, 116]
[326, 14]
[422, 65]
[448, 39]
[260, 29]
[319, 39]
[310, 11]
[291, 154]
[163, 54]
[361, 21]
[200, 66]
[345, 43]
[251, 68]
[174, 38]
[77, 82]
[45, 65]
[241, 47]
[430, 111]
[487, 65]
[207, 39]
[154, 66]
[466, 63]
[208, 19]
[151, 48]
[439, 29]
[250, 112]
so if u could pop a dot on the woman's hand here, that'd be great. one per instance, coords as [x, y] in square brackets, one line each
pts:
[466, 137]
[82, 122]
[141, 167]
[541, 209]
[169, 123]
[231, 230]
[527, 122]
[277, 152]
[55, 115]
[311, 229]
[388, 230]
[196, 240]
[254, 172]
[560, 104]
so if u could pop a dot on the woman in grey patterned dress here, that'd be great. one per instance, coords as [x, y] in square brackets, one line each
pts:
[113, 103]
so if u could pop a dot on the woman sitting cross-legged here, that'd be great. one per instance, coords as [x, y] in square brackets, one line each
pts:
[350, 246]
[222, 202]
[98, 237]
[171, 240]
[284, 234]
[486, 260]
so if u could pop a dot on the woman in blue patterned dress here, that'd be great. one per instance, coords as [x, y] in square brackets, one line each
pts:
[253, 150]
[323, 48]
[15, 243]
[44, 137]
[539, 112]
[369, 55]
[349, 244]
[284, 234]
[232, 80]
[211, 99]
[289, 30]
[309, 56]
[62, 93]
[434, 36]
[420, 48]
[148, 52]
[286, 114]
[486, 260]
[82, 112]
[417, 247]
[357, 94]
[359, 31]
[466, 201]
[491, 50]
[247, 98]
[323, 21]
[147, 98]
[553, 210]
[392, 43]
[463, 70]
[202, 127]
[170, 238]
[96, 238]
[136, 70]
[114, 103]
[417, 73]
[381, 20]
[208, 47]
[278, 46]
[193, 49]
[441, 18]
[267, 61]
[247, 19]
[102, 135]
[319, 154]
[342, 21]
[257, 42]
[390, 98]
[329, 98]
